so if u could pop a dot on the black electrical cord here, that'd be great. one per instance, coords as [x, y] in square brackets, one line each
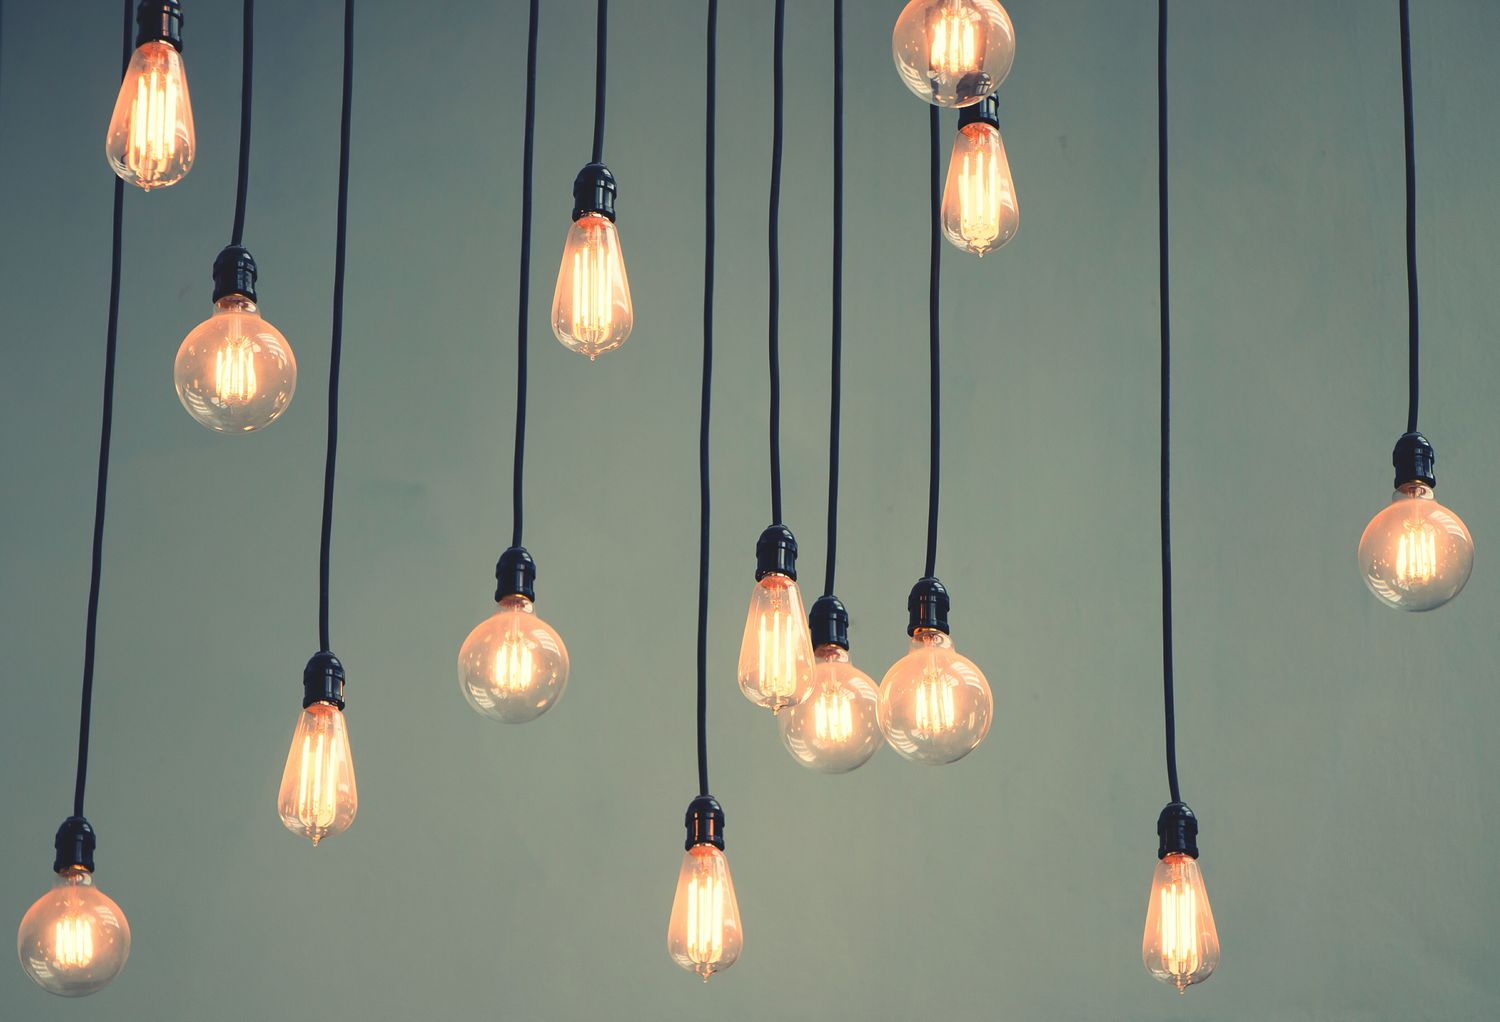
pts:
[934, 289]
[247, 67]
[1166, 402]
[1411, 220]
[707, 391]
[601, 54]
[523, 301]
[101, 486]
[774, 238]
[836, 370]
[337, 347]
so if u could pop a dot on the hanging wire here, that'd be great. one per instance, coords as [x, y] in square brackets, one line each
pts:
[337, 348]
[1168, 700]
[836, 370]
[707, 389]
[1411, 220]
[601, 54]
[774, 237]
[247, 67]
[934, 289]
[523, 301]
[101, 486]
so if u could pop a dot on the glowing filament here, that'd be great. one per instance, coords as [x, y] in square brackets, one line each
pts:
[934, 705]
[234, 371]
[979, 209]
[593, 294]
[153, 124]
[777, 662]
[73, 941]
[1416, 555]
[833, 718]
[1179, 931]
[955, 45]
[705, 923]
[514, 668]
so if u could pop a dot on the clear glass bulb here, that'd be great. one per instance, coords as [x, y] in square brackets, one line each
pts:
[776, 657]
[513, 666]
[150, 139]
[935, 705]
[1415, 554]
[74, 939]
[953, 53]
[837, 727]
[1180, 945]
[979, 199]
[235, 372]
[591, 311]
[318, 797]
[704, 934]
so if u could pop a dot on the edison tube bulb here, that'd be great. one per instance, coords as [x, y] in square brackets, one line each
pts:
[235, 372]
[318, 797]
[74, 939]
[591, 311]
[1180, 945]
[953, 52]
[513, 666]
[837, 727]
[935, 704]
[776, 657]
[704, 933]
[979, 199]
[1415, 554]
[150, 140]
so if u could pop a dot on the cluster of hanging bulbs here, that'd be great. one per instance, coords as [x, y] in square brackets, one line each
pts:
[236, 373]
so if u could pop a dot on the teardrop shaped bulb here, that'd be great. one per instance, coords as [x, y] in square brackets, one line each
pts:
[318, 796]
[979, 209]
[776, 657]
[74, 939]
[1180, 945]
[150, 141]
[704, 933]
[591, 311]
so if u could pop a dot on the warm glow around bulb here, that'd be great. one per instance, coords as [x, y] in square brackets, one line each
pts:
[979, 211]
[591, 309]
[704, 933]
[1416, 554]
[953, 53]
[235, 373]
[836, 728]
[513, 666]
[776, 658]
[1180, 945]
[318, 795]
[935, 704]
[150, 142]
[74, 939]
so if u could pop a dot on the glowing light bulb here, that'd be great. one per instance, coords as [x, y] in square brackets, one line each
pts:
[74, 939]
[953, 52]
[1180, 945]
[979, 211]
[150, 141]
[591, 310]
[837, 728]
[318, 797]
[776, 653]
[1415, 554]
[513, 666]
[935, 704]
[704, 934]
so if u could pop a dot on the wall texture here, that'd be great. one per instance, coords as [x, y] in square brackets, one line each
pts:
[1340, 755]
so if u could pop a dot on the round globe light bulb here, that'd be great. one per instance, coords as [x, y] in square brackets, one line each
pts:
[1415, 554]
[513, 666]
[837, 727]
[935, 704]
[235, 372]
[953, 53]
[74, 939]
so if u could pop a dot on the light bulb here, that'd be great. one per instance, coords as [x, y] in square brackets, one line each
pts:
[1415, 554]
[74, 939]
[704, 934]
[513, 666]
[935, 704]
[318, 797]
[150, 140]
[953, 52]
[776, 652]
[837, 727]
[591, 310]
[979, 210]
[1180, 945]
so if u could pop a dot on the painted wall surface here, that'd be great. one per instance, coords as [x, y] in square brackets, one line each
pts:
[1341, 756]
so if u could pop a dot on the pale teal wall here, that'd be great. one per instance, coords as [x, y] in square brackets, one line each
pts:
[1341, 756]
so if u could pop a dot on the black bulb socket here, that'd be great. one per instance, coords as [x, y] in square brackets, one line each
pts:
[1177, 831]
[705, 823]
[828, 621]
[323, 681]
[1414, 460]
[927, 606]
[515, 574]
[235, 273]
[75, 845]
[159, 21]
[594, 192]
[986, 111]
[776, 553]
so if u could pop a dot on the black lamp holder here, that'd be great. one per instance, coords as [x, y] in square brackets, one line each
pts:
[159, 21]
[75, 845]
[705, 823]
[986, 111]
[235, 273]
[927, 606]
[594, 191]
[323, 681]
[1177, 831]
[1414, 460]
[776, 553]
[828, 621]
[515, 574]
